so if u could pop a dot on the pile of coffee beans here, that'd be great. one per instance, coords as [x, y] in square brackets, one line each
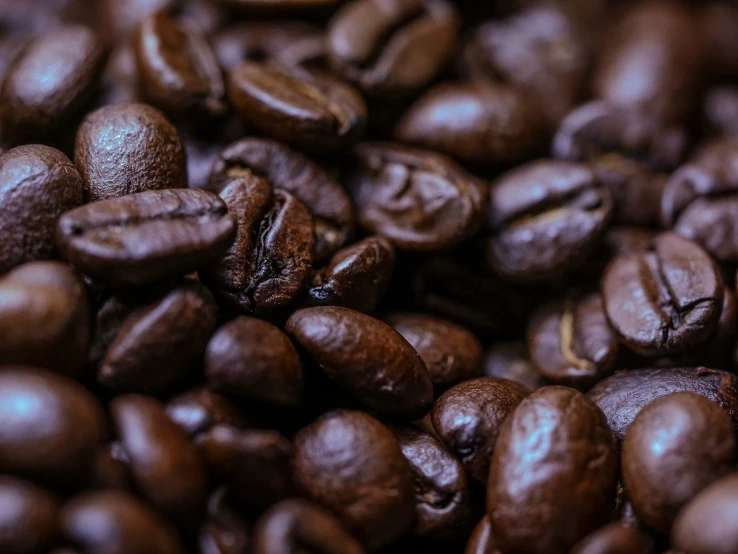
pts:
[368, 276]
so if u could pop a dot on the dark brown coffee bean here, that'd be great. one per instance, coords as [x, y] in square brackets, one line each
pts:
[52, 425]
[37, 185]
[392, 49]
[119, 82]
[44, 318]
[252, 358]
[295, 525]
[145, 237]
[113, 522]
[624, 394]
[50, 82]
[29, 517]
[468, 418]
[720, 109]
[553, 473]
[224, 530]
[128, 148]
[450, 352]
[353, 465]
[417, 199]
[369, 358]
[165, 465]
[546, 218]
[481, 540]
[312, 111]
[481, 123]
[663, 300]
[510, 360]
[277, 6]
[621, 240]
[110, 469]
[309, 52]
[198, 410]
[614, 538]
[682, 434]
[441, 489]
[119, 19]
[178, 71]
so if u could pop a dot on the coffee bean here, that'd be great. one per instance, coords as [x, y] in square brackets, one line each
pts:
[29, 517]
[546, 494]
[510, 360]
[119, 19]
[663, 300]
[417, 199]
[128, 148]
[546, 219]
[198, 410]
[621, 240]
[277, 6]
[481, 540]
[254, 359]
[37, 185]
[614, 538]
[145, 237]
[367, 357]
[110, 469]
[720, 109]
[119, 81]
[353, 465]
[224, 531]
[622, 396]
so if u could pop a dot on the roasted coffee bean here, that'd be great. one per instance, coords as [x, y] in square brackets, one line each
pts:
[119, 19]
[510, 360]
[29, 517]
[165, 466]
[622, 396]
[663, 300]
[450, 352]
[149, 344]
[469, 416]
[481, 123]
[417, 199]
[571, 342]
[44, 318]
[367, 357]
[295, 525]
[392, 49]
[291, 171]
[441, 489]
[315, 112]
[37, 185]
[353, 465]
[720, 110]
[119, 82]
[200, 409]
[309, 52]
[481, 540]
[50, 82]
[51, 425]
[660, 444]
[553, 473]
[614, 538]
[252, 358]
[178, 71]
[113, 522]
[621, 240]
[224, 530]
[277, 6]
[128, 148]
[146, 237]
[110, 469]
[356, 277]
[546, 218]
[253, 464]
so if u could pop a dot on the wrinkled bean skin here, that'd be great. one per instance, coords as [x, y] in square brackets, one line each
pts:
[569, 465]
[200, 409]
[614, 538]
[29, 517]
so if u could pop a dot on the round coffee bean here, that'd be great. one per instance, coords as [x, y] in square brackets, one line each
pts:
[510, 360]
[29, 517]
[127, 148]
[224, 530]
[37, 185]
[198, 410]
[353, 465]
[468, 418]
[367, 357]
[614, 538]
[664, 300]
[553, 473]
[660, 445]
[481, 540]
[146, 237]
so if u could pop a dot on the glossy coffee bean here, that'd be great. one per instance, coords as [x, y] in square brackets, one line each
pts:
[29, 517]
[392, 49]
[367, 357]
[294, 525]
[482, 541]
[553, 473]
[623, 395]
[661, 443]
[224, 530]
[353, 465]
[37, 185]
[614, 538]
[146, 237]
[52, 425]
[200, 409]
[417, 199]
[164, 463]
[510, 360]
[44, 318]
[127, 148]
[252, 358]
[546, 218]
[663, 300]
[113, 522]
[50, 82]
[315, 112]
[110, 469]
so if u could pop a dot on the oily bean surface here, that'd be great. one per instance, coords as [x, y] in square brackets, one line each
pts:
[29, 517]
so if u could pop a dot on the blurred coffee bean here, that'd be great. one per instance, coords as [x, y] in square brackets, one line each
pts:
[481, 540]
[224, 530]
[613, 538]
[110, 469]
[510, 360]
[119, 19]
[719, 20]
[720, 109]
[197, 410]
[29, 517]
[277, 6]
